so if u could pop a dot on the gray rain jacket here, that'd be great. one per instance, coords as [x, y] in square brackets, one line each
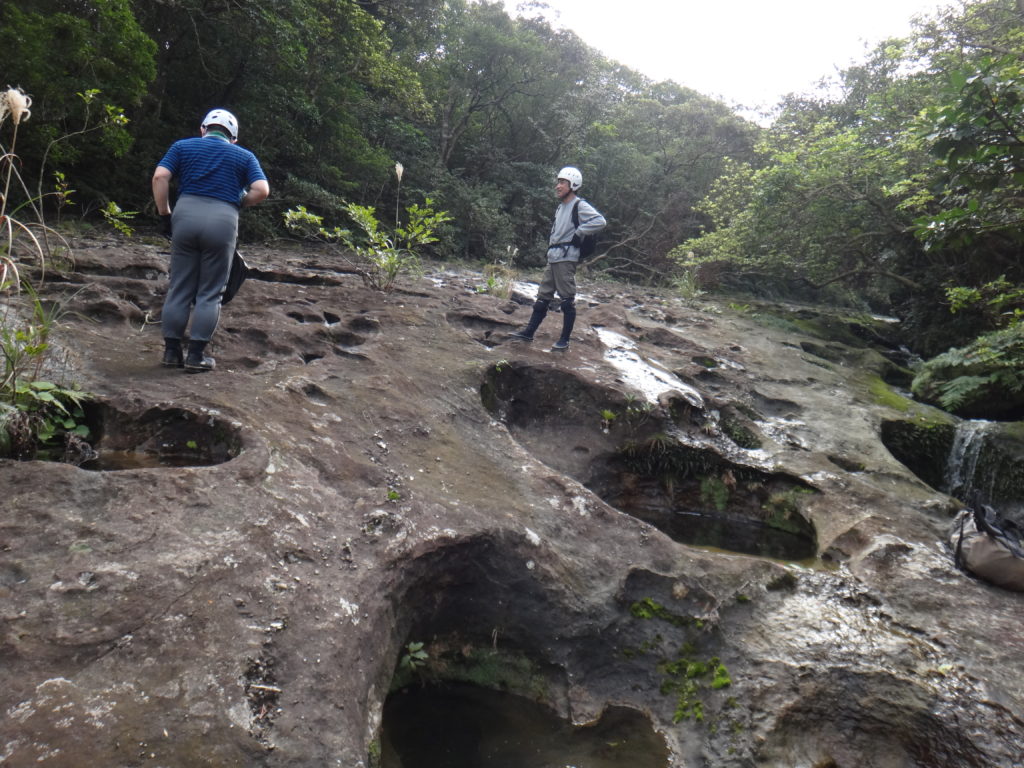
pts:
[562, 231]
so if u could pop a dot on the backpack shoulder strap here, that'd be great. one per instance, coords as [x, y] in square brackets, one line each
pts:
[958, 556]
[575, 223]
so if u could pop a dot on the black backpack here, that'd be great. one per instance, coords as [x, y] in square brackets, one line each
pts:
[588, 243]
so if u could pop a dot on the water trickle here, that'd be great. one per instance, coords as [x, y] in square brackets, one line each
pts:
[650, 379]
[962, 478]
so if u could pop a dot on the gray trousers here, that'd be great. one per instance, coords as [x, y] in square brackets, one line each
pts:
[560, 277]
[204, 231]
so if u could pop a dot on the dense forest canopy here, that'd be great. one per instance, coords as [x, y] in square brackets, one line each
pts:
[898, 188]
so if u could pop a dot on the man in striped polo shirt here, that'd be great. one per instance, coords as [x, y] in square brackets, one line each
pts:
[215, 179]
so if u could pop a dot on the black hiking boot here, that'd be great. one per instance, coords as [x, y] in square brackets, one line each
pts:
[173, 356]
[196, 361]
[540, 308]
[568, 321]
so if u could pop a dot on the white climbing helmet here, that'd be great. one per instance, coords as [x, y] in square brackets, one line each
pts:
[573, 176]
[224, 119]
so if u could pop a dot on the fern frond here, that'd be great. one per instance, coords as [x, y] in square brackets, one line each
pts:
[953, 393]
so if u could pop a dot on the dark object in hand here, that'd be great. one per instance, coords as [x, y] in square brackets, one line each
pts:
[165, 225]
[236, 276]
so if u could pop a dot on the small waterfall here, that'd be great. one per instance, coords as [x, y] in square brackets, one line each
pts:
[963, 479]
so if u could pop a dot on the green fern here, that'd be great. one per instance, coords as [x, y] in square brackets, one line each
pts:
[988, 369]
[1009, 378]
[954, 393]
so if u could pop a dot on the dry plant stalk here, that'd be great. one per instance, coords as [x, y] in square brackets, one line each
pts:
[15, 107]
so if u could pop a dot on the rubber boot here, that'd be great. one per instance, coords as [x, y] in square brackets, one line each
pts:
[173, 356]
[196, 361]
[540, 309]
[568, 321]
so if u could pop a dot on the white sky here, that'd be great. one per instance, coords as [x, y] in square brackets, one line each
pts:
[744, 52]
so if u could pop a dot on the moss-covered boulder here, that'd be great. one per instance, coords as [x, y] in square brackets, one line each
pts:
[922, 445]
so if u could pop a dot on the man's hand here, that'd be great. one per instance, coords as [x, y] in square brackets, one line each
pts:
[165, 225]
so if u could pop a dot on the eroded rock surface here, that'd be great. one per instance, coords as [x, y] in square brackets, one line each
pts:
[372, 471]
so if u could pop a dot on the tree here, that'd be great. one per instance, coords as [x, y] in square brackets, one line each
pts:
[312, 81]
[485, 77]
[655, 156]
[978, 137]
[846, 181]
[825, 209]
[65, 53]
[504, 117]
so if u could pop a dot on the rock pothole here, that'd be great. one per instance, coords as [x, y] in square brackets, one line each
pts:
[484, 635]
[842, 718]
[923, 447]
[635, 458]
[696, 497]
[457, 725]
[312, 334]
[158, 437]
[483, 330]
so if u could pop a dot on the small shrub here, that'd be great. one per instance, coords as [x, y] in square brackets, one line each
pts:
[379, 258]
[607, 418]
[499, 277]
[117, 218]
[38, 417]
[414, 657]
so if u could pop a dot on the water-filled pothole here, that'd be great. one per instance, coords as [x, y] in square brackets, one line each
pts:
[158, 437]
[457, 725]
[633, 456]
[699, 498]
[484, 631]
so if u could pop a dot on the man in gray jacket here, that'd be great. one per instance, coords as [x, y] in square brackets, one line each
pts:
[575, 218]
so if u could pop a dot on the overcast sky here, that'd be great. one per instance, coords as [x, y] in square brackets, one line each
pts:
[744, 52]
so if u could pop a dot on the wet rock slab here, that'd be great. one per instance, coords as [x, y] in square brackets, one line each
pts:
[369, 477]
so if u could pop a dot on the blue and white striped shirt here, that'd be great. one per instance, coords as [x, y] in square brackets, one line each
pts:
[212, 166]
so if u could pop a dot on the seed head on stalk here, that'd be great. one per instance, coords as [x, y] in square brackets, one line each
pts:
[16, 103]
[399, 169]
